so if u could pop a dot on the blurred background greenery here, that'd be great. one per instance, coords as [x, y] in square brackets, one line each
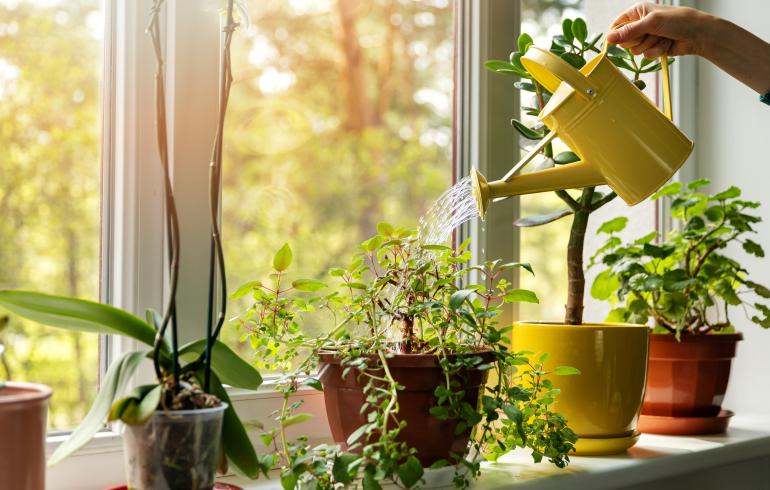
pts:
[340, 117]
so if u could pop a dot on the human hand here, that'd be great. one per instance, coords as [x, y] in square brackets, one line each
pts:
[657, 30]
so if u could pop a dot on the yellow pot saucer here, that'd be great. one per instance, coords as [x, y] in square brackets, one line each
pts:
[603, 446]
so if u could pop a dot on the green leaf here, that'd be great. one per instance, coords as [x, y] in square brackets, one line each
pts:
[677, 280]
[614, 225]
[616, 315]
[458, 298]
[341, 465]
[385, 229]
[730, 193]
[506, 68]
[76, 314]
[753, 248]
[605, 285]
[566, 371]
[668, 190]
[114, 383]
[566, 29]
[566, 157]
[640, 84]
[145, 402]
[370, 482]
[288, 479]
[229, 366]
[620, 63]
[297, 418]
[283, 258]
[235, 440]
[574, 59]
[410, 473]
[579, 29]
[542, 219]
[697, 184]
[521, 295]
[526, 131]
[246, 289]
[524, 41]
[314, 383]
[307, 285]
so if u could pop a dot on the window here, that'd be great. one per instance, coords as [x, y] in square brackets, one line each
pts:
[340, 117]
[50, 62]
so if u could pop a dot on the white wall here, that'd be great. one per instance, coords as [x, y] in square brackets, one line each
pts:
[733, 142]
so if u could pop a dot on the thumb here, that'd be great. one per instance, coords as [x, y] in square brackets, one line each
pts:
[628, 32]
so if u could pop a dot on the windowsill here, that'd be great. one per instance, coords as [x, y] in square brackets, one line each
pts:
[659, 460]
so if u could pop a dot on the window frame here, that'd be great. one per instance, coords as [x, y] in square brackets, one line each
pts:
[132, 253]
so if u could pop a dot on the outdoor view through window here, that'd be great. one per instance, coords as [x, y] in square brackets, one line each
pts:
[341, 117]
[50, 62]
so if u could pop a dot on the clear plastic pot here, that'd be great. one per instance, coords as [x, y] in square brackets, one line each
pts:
[174, 450]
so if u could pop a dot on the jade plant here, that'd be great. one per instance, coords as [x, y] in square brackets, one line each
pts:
[398, 296]
[575, 47]
[684, 282]
[188, 377]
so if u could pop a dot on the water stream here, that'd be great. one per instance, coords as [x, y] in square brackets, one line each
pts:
[455, 207]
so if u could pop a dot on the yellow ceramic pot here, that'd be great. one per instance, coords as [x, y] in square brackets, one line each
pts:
[601, 404]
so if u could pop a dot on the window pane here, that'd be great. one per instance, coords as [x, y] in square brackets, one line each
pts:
[50, 62]
[544, 246]
[340, 117]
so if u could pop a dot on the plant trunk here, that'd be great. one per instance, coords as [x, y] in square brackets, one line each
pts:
[576, 281]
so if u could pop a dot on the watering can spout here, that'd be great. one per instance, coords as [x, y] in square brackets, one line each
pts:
[572, 176]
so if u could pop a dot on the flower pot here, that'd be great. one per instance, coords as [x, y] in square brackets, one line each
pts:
[601, 404]
[420, 374]
[23, 412]
[687, 382]
[174, 449]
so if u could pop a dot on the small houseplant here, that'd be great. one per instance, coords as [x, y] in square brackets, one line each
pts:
[23, 414]
[181, 427]
[588, 401]
[686, 286]
[405, 368]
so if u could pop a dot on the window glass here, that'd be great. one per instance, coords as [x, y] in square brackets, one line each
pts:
[340, 117]
[545, 247]
[50, 62]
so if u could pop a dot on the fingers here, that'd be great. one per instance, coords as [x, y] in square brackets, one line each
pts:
[645, 43]
[629, 33]
[662, 47]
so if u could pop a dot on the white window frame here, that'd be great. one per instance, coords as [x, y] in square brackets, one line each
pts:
[133, 258]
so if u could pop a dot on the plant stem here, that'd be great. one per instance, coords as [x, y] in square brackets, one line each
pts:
[216, 256]
[576, 278]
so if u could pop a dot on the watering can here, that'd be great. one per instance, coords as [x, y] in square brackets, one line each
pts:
[621, 137]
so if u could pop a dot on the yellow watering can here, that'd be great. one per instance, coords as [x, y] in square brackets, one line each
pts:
[621, 137]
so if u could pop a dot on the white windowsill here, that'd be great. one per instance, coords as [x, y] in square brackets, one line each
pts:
[742, 457]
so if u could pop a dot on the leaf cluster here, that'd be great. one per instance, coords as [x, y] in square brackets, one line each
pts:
[400, 296]
[112, 402]
[684, 282]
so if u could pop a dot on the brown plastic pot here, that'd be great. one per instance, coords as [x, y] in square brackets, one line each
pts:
[688, 378]
[420, 374]
[23, 411]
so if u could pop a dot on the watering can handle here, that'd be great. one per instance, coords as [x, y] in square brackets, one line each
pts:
[667, 107]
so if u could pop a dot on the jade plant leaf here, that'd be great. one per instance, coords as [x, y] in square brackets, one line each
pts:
[542, 219]
[228, 365]
[76, 314]
[113, 384]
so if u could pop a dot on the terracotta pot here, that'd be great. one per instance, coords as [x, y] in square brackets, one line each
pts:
[601, 404]
[688, 378]
[420, 374]
[23, 412]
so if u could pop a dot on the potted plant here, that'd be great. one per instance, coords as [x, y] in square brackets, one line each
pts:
[685, 285]
[181, 426]
[416, 372]
[603, 404]
[23, 414]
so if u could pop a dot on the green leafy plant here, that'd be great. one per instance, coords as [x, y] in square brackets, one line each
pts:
[190, 376]
[398, 296]
[575, 47]
[683, 282]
